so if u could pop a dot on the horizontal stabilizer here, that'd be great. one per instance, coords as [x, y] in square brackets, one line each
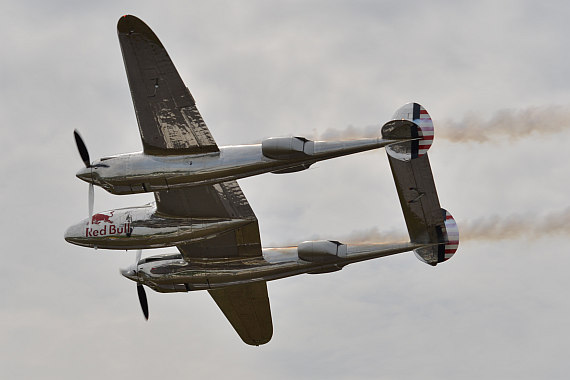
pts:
[427, 222]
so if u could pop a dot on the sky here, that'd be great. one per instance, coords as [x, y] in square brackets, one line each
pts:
[492, 74]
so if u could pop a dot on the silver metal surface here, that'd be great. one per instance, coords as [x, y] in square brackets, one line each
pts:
[143, 228]
[276, 263]
[139, 172]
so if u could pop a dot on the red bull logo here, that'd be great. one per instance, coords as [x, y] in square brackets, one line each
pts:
[98, 218]
[109, 230]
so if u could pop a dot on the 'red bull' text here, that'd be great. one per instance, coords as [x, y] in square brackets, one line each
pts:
[109, 229]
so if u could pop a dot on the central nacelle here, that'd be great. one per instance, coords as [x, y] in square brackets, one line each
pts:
[287, 148]
[142, 228]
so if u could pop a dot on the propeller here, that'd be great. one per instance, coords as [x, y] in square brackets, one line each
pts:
[91, 201]
[132, 273]
[82, 148]
[140, 288]
[142, 300]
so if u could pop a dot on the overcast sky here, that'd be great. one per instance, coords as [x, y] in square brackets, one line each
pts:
[499, 69]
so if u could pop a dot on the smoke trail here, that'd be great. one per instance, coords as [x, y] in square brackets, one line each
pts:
[374, 235]
[490, 228]
[350, 132]
[513, 124]
[509, 123]
[517, 226]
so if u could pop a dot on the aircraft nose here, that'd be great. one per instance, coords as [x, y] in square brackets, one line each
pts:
[73, 233]
[85, 174]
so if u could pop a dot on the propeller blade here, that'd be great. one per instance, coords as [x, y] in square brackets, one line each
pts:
[82, 149]
[91, 201]
[138, 257]
[142, 300]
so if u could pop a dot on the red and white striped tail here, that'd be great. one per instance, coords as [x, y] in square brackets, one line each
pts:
[452, 236]
[419, 115]
[448, 236]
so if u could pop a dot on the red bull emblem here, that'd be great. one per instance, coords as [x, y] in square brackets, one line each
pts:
[109, 230]
[98, 218]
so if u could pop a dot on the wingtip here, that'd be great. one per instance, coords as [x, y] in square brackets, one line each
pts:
[126, 23]
[129, 24]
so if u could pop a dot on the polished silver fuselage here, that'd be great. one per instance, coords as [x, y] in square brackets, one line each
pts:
[142, 227]
[171, 273]
[138, 172]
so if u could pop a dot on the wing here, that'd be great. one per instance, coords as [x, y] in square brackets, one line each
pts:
[247, 308]
[169, 122]
[223, 200]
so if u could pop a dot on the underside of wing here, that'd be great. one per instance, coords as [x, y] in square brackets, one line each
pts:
[247, 309]
[222, 200]
[168, 119]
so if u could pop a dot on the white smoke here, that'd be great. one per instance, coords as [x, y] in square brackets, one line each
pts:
[516, 226]
[512, 124]
[489, 228]
[507, 123]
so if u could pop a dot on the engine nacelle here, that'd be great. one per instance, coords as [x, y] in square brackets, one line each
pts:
[321, 251]
[287, 148]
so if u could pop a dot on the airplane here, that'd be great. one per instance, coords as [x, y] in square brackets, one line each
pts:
[201, 210]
